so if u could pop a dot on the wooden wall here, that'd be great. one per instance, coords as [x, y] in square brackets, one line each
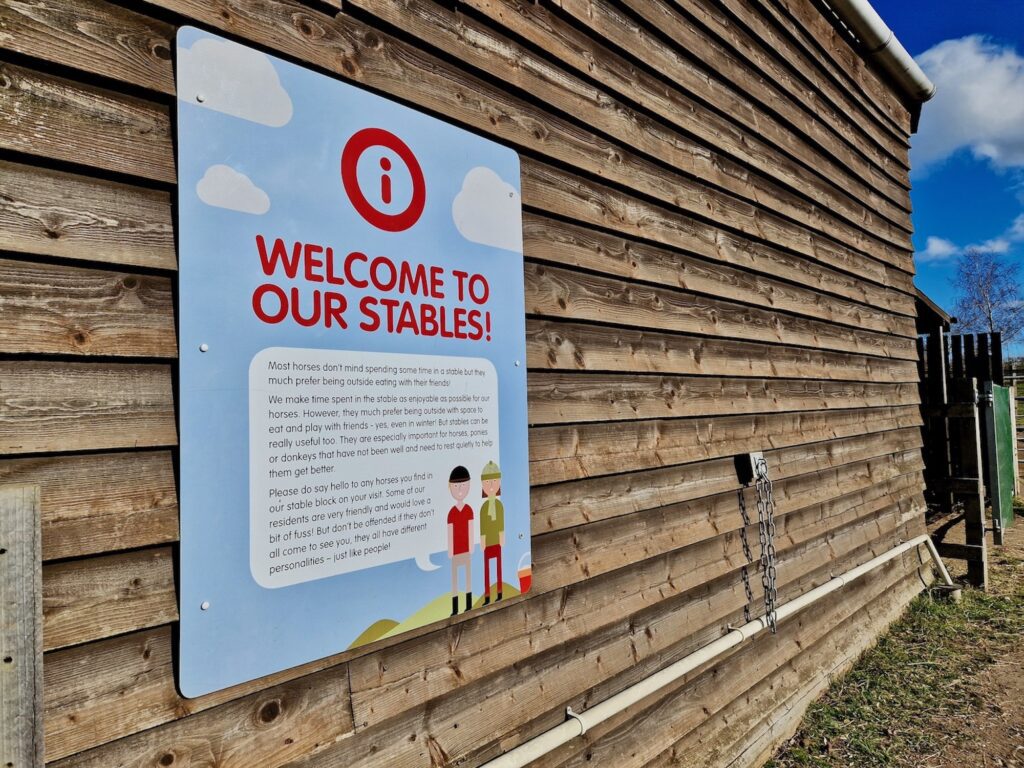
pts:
[718, 261]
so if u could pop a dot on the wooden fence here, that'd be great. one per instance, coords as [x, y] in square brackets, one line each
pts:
[717, 235]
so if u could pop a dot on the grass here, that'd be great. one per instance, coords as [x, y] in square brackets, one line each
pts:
[895, 706]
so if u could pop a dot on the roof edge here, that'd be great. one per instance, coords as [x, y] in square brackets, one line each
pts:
[877, 44]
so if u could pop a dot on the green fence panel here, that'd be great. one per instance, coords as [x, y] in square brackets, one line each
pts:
[1004, 434]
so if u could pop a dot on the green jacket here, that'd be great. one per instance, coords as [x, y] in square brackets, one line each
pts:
[492, 522]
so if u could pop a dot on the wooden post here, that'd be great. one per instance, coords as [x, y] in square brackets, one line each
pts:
[1013, 425]
[956, 342]
[968, 439]
[970, 358]
[21, 628]
[983, 362]
[937, 395]
[986, 410]
[996, 350]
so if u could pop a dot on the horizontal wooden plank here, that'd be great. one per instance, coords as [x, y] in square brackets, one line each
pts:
[759, 677]
[479, 46]
[268, 728]
[101, 502]
[109, 689]
[564, 397]
[768, 80]
[89, 686]
[672, 62]
[388, 681]
[580, 502]
[56, 406]
[132, 148]
[554, 190]
[401, 70]
[580, 553]
[590, 450]
[47, 407]
[53, 213]
[107, 502]
[137, 145]
[968, 485]
[521, 692]
[557, 292]
[563, 243]
[94, 598]
[819, 34]
[83, 311]
[57, 118]
[756, 50]
[90, 599]
[52, 309]
[572, 346]
[905, 569]
[949, 410]
[799, 48]
[955, 551]
[94, 36]
[743, 129]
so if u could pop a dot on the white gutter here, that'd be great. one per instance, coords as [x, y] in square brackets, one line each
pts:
[881, 46]
[579, 723]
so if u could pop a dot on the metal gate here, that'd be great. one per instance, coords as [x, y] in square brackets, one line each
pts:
[998, 428]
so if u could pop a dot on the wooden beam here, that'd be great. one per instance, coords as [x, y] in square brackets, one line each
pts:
[21, 628]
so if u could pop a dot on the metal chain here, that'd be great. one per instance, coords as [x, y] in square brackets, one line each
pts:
[766, 531]
[748, 556]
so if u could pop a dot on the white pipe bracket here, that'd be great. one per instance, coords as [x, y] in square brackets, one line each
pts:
[575, 716]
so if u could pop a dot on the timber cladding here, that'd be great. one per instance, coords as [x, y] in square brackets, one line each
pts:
[717, 234]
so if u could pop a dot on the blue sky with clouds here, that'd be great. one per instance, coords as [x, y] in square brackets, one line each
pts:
[968, 154]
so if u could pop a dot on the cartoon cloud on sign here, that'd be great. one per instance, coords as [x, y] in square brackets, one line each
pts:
[224, 187]
[227, 77]
[487, 211]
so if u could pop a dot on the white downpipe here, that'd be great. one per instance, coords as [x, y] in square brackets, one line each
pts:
[579, 723]
[882, 47]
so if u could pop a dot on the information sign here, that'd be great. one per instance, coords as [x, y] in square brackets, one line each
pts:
[352, 382]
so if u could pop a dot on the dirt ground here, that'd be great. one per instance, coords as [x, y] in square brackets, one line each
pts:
[944, 688]
[993, 735]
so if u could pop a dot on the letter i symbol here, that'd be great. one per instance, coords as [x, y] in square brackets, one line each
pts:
[385, 181]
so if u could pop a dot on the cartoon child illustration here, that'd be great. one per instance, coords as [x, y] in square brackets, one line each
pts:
[460, 535]
[492, 526]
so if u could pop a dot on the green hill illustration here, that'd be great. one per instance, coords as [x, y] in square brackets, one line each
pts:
[436, 610]
[375, 631]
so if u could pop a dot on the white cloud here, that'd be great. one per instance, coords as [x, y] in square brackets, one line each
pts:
[425, 563]
[1016, 231]
[978, 105]
[938, 249]
[224, 187]
[995, 245]
[233, 79]
[488, 210]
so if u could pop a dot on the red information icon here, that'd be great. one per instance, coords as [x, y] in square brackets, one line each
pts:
[354, 148]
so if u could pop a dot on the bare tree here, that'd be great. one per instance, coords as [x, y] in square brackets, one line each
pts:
[988, 295]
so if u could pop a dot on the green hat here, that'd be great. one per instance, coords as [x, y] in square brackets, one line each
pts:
[491, 472]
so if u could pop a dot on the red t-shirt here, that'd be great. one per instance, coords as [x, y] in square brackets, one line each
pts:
[460, 520]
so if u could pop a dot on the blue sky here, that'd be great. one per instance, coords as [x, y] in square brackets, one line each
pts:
[968, 154]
